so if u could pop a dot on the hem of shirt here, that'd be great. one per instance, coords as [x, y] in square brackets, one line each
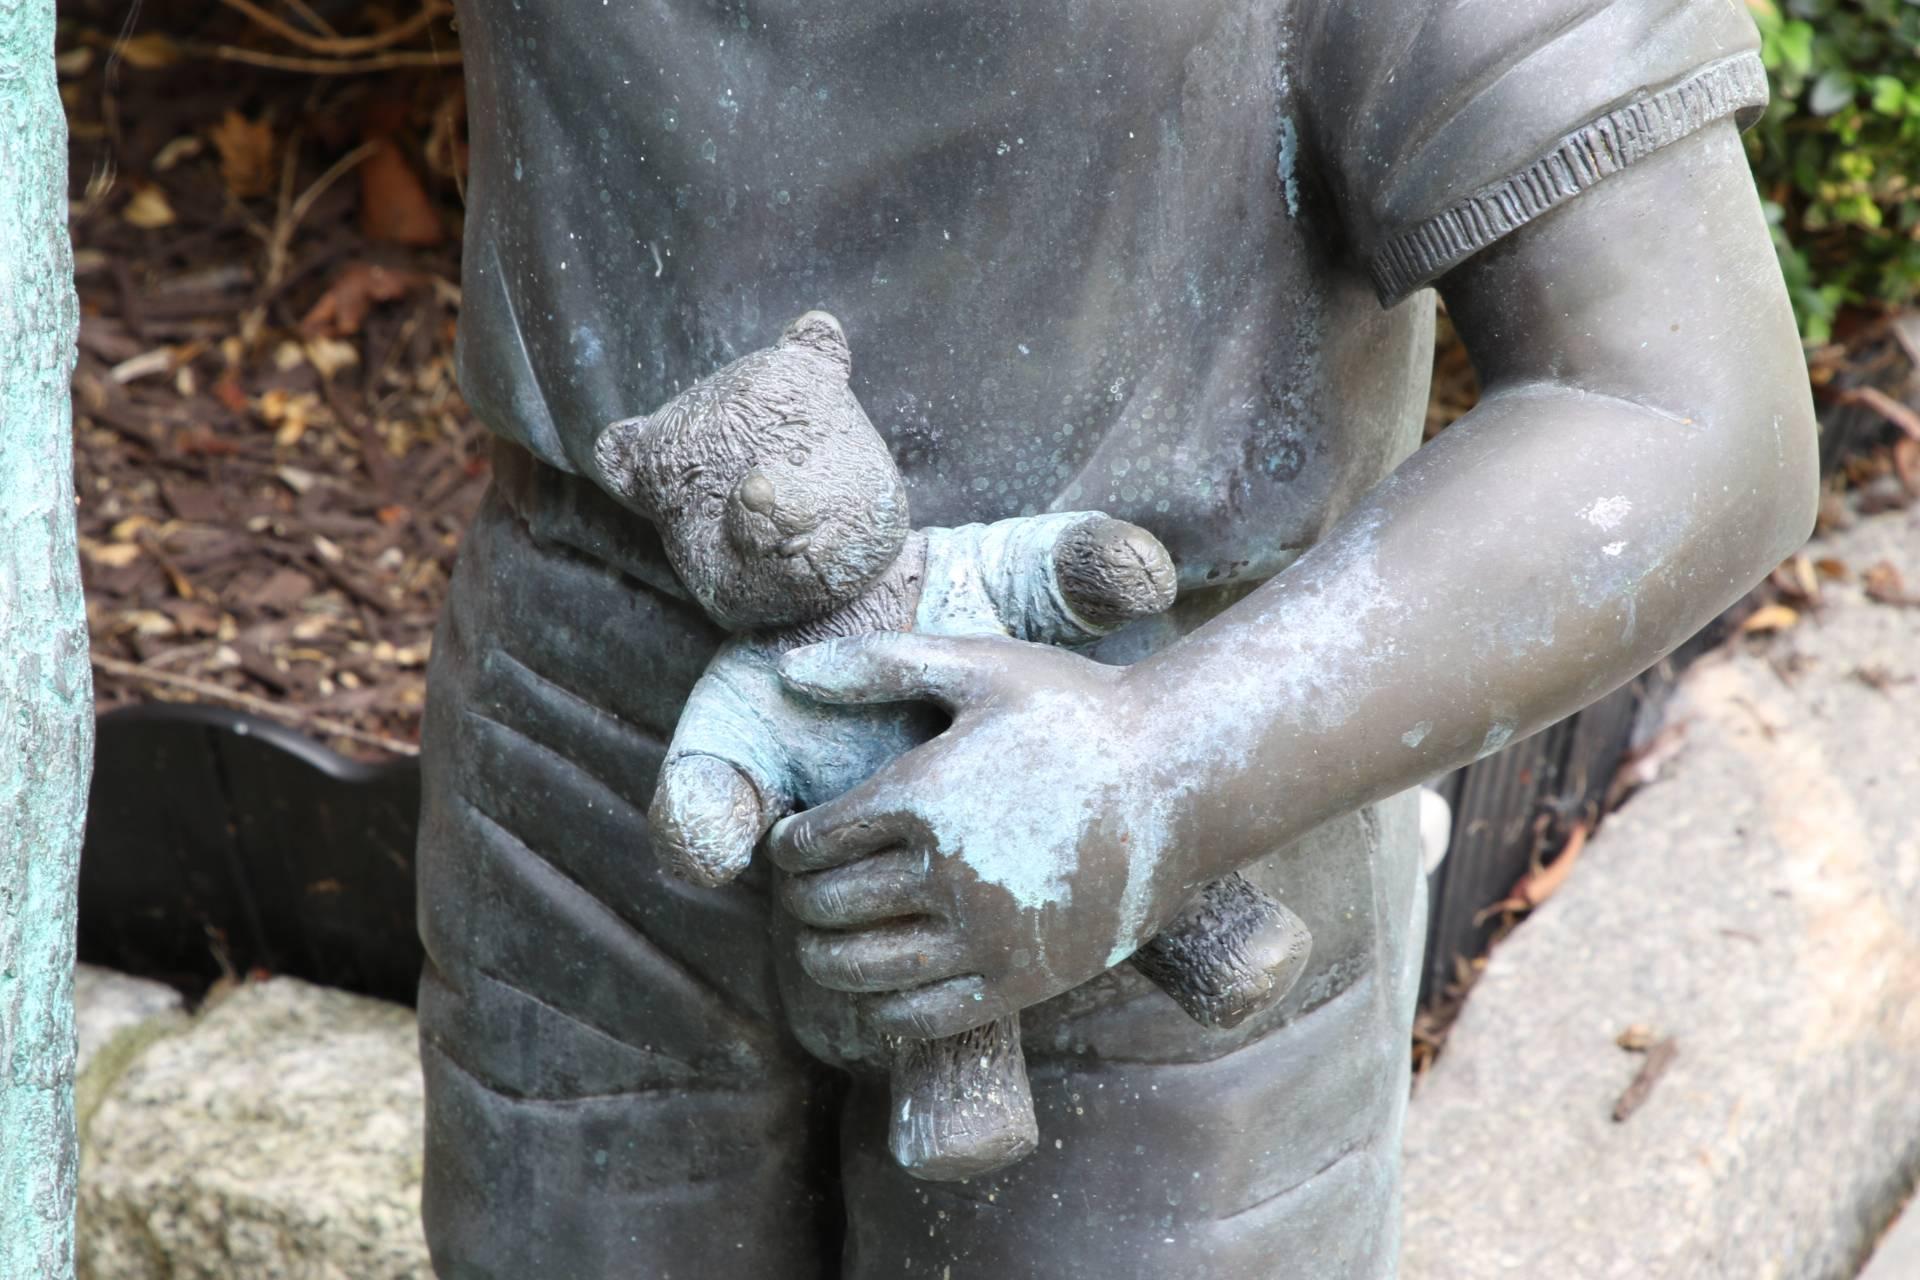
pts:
[1735, 86]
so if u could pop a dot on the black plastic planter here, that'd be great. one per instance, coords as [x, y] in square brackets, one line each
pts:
[218, 842]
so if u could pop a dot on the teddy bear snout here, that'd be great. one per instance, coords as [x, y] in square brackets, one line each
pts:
[767, 522]
[756, 493]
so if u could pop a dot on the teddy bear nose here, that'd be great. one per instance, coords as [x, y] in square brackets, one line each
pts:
[755, 493]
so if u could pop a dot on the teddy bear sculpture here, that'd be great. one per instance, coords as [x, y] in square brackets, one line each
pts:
[785, 517]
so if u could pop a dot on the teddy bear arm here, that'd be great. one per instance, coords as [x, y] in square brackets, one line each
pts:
[1111, 572]
[705, 819]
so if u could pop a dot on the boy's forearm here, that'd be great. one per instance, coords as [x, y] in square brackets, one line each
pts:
[1644, 454]
[1544, 551]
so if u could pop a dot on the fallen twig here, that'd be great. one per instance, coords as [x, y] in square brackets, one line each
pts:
[1883, 404]
[341, 46]
[326, 66]
[295, 716]
[1659, 1058]
[1540, 883]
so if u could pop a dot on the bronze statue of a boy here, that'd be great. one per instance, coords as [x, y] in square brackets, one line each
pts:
[1167, 261]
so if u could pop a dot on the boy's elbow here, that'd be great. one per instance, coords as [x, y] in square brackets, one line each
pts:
[1754, 480]
[1781, 467]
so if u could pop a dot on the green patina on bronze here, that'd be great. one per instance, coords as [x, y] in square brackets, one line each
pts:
[46, 704]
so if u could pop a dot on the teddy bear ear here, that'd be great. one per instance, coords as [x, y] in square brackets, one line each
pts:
[616, 454]
[820, 333]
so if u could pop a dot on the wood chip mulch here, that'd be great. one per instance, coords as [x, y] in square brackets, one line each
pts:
[273, 465]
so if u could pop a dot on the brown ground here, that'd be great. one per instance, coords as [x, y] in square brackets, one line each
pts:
[272, 462]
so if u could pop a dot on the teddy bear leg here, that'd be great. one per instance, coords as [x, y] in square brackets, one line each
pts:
[962, 1106]
[705, 819]
[1233, 952]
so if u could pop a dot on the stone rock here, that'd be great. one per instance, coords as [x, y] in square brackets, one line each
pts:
[277, 1137]
[1761, 905]
[1898, 1254]
[106, 1003]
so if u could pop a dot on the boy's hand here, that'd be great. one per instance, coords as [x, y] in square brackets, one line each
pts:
[1019, 854]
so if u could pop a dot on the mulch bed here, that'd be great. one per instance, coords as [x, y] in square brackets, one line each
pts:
[272, 461]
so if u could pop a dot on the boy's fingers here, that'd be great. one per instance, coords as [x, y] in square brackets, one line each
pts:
[896, 666]
[884, 887]
[885, 958]
[835, 833]
[939, 1009]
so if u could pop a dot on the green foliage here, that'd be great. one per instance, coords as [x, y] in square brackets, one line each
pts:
[1838, 151]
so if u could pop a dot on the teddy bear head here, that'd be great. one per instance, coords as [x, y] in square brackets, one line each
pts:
[777, 500]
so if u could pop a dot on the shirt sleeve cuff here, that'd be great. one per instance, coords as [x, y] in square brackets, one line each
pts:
[1735, 86]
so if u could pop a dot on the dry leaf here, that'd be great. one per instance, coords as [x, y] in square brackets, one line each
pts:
[1805, 578]
[130, 528]
[1643, 765]
[284, 589]
[229, 392]
[394, 206]
[148, 52]
[288, 413]
[1829, 567]
[246, 155]
[110, 555]
[1883, 583]
[74, 62]
[1772, 617]
[148, 622]
[148, 208]
[184, 147]
[330, 355]
[144, 365]
[343, 308]
[1637, 1038]
[1538, 885]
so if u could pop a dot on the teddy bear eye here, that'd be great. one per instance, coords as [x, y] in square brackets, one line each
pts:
[713, 503]
[797, 455]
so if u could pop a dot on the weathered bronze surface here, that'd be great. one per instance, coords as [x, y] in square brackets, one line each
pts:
[1163, 261]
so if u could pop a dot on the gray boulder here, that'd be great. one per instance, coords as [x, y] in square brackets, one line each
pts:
[1760, 904]
[277, 1137]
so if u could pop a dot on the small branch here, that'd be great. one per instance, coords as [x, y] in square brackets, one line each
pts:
[305, 13]
[1659, 1058]
[292, 212]
[1884, 405]
[340, 46]
[295, 716]
[325, 66]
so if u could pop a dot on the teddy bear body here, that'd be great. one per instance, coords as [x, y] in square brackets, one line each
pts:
[996, 579]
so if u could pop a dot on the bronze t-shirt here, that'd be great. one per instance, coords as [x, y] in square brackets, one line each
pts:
[1127, 255]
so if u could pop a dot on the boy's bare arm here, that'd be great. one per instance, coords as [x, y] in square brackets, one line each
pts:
[1643, 454]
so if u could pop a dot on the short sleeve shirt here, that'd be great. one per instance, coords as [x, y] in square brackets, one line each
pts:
[1154, 258]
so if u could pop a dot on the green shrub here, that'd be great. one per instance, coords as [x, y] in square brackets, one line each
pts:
[1837, 153]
